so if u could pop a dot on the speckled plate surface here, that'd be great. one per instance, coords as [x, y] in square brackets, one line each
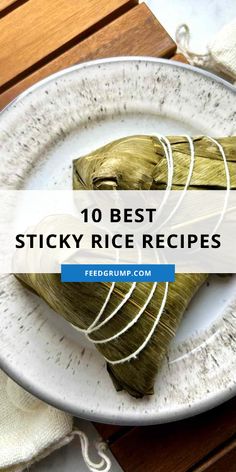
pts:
[57, 120]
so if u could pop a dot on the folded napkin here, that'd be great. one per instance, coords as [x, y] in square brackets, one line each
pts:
[30, 430]
[221, 51]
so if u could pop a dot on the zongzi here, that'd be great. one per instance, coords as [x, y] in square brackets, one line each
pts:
[140, 163]
[132, 324]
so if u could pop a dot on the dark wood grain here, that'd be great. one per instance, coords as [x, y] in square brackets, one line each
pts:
[222, 461]
[136, 32]
[178, 446]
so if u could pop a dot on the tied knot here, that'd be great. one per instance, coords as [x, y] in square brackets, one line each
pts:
[182, 37]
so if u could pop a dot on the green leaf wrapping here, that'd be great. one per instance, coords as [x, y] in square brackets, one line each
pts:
[136, 162]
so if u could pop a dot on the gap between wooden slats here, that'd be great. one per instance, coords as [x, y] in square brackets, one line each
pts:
[6, 3]
[136, 32]
[177, 446]
[38, 29]
[222, 460]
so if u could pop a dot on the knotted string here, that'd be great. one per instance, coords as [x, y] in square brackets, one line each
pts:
[182, 37]
[105, 463]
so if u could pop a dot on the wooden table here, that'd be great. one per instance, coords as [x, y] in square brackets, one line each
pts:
[37, 38]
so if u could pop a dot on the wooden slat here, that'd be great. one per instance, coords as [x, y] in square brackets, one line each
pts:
[121, 37]
[222, 461]
[6, 3]
[177, 446]
[37, 28]
[180, 58]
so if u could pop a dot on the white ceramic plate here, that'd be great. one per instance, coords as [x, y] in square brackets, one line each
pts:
[68, 115]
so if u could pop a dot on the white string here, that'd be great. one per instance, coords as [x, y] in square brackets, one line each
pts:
[191, 167]
[95, 326]
[170, 164]
[190, 173]
[171, 160]
[170, 169]
[131, 323]
[104, 465]
[87, 330]
[96, 320]
[125, 299]
[146, 341]
[102, 309]
[182, 37]
[169, 157]
[170, 172]
[228, 186]
[228, 182]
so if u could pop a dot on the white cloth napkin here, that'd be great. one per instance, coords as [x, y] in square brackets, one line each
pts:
[30, 430]
[221, 51]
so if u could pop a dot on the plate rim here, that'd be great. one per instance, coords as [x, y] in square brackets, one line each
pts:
[106, 60]
[184, 411]
[194, 409]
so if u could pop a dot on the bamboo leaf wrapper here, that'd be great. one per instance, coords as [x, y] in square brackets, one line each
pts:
[136, 163]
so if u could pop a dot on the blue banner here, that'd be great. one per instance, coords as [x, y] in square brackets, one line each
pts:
[117, 272]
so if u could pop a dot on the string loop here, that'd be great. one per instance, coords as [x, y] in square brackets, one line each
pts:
[182, 37]
[105, 463]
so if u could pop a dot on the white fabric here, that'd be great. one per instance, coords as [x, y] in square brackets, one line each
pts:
[29, 429]
[221, 54]
[223, 50]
